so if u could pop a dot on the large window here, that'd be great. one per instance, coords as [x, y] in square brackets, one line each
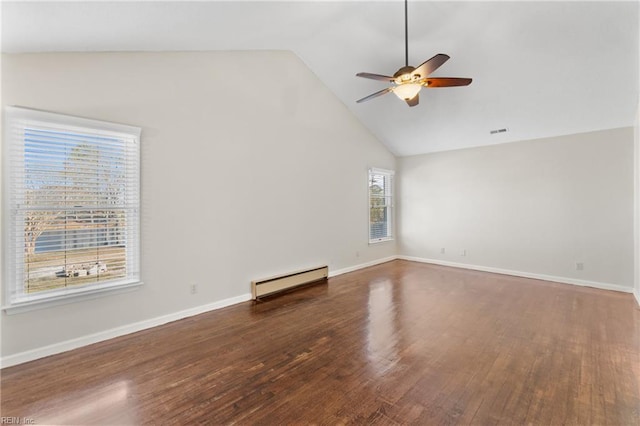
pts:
[72, 206]
[380, 205]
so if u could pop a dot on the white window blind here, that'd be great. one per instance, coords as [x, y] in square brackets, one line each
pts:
[380, 205]
[73, 190]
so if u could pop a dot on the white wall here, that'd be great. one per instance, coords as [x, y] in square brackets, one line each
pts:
[534, 207]
[250, 168]
[636, 212]
[636, 192]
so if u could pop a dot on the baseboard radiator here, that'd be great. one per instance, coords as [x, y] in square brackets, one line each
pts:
[269, 286]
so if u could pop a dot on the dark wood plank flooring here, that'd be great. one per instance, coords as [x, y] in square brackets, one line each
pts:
[397, 343]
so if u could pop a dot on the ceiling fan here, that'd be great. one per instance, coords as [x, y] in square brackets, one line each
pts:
[408, 81]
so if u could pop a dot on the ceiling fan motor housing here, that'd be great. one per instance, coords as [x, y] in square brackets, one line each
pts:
[404, 70]
[404, 75]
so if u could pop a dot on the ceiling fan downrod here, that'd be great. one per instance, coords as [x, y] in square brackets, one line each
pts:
[406, 36]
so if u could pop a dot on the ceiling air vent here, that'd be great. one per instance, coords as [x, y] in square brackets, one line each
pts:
[493, 132]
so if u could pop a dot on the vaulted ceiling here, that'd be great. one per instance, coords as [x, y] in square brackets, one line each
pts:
[539, 69]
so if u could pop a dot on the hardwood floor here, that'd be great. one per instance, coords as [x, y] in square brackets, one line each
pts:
[397, 343]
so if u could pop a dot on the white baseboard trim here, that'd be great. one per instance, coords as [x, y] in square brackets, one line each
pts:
[563, 280]
[361, 266]
[68, 345]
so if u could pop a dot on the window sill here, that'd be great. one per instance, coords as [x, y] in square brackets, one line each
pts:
[33, 303]
[380, 240]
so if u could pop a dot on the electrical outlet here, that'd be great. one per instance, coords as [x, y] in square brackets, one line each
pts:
[579, 266]
[463, 253]
[442, 250]
[194, 288]
[357, 254]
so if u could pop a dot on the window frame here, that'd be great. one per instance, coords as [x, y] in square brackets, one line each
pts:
[16, 121]
[389, 194]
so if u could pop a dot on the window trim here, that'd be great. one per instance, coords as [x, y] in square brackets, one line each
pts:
[390, 221]
[12, 303]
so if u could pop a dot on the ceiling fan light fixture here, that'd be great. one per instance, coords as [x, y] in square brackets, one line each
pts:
[407, 91]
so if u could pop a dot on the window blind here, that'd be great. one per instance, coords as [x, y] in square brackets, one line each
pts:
[74, 199]
[380, 205]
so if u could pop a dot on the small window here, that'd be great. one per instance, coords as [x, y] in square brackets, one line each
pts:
[380, 205]
[73, 204]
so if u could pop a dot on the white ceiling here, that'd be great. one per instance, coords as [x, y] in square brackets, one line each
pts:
[539, 69]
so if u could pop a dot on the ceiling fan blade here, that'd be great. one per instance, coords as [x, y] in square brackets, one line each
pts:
[430, 65]
[375, 76]
[375, 95]
[413, 101]
[446, 82]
